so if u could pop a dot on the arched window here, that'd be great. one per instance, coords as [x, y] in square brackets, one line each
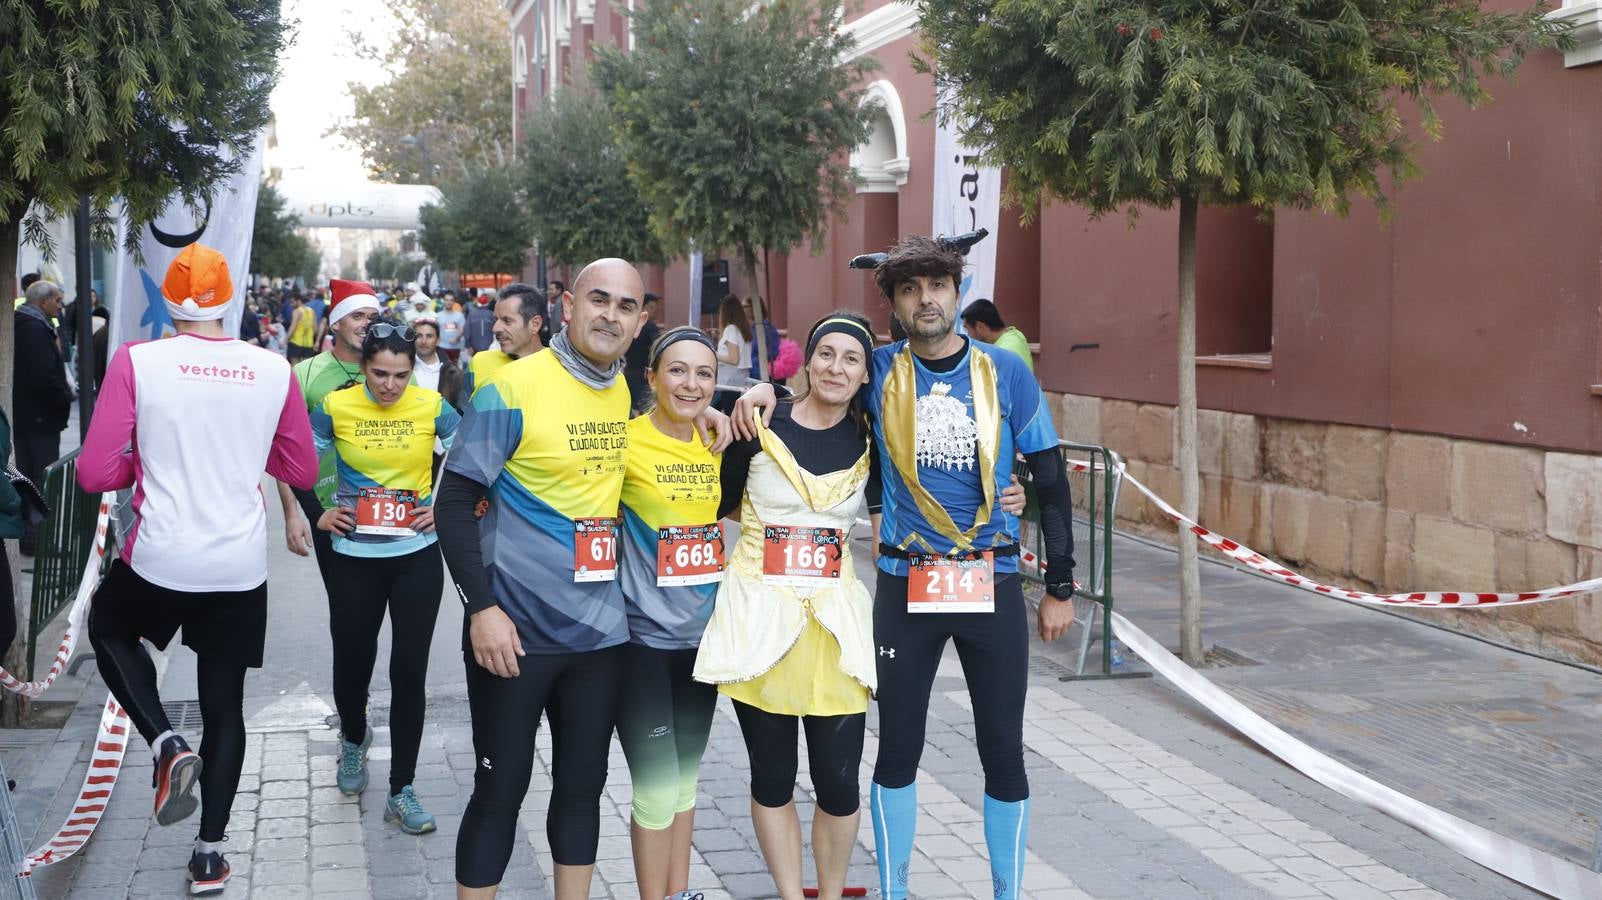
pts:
[882, 162]
[520, 63]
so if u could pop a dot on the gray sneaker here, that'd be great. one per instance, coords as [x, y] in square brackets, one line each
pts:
[352, 773]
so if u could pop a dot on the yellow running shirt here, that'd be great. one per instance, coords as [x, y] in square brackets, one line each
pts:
[667, 482]
[481, 368]
[383, 448]
[543, 472]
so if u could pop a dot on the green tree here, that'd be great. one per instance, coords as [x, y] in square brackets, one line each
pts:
[575, 173]
[736, 120]
[131, 99]
[1119, 103]
[481, 224]
[445, 107]
[276, 250]
[382, 263]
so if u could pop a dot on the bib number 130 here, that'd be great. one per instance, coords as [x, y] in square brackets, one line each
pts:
[595, 549]
[384, 511]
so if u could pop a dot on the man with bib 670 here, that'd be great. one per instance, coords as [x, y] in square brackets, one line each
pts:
[546, 622]
[949, 416]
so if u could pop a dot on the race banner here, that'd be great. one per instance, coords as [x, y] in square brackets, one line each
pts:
[967, 197]
[223, 222]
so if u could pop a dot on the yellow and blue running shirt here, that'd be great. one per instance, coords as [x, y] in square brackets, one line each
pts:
[385, 447]
[667, 482]
[481, 368]
[543, 472]
[947, 438]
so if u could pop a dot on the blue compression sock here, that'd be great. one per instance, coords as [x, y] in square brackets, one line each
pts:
[1006, 837]
[895, 822]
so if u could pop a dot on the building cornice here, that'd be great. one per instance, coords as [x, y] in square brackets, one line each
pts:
[879, 27]
[1585, 20]
[519, 10]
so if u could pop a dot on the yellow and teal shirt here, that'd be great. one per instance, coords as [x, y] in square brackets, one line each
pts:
[481, 368]
[543, 472]
[386, 447]
[320, 376]
[673, 484]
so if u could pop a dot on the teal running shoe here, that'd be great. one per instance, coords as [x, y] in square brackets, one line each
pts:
[405, 810]
[352, 773]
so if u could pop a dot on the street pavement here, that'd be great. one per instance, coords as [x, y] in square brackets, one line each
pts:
[1137, 791]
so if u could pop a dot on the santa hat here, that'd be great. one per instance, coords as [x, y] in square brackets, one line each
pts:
[197, 287]
[349, 296]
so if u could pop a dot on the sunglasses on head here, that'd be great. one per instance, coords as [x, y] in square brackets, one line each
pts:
[383, 330]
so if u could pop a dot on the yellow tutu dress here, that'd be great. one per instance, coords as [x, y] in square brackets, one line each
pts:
[800, 651]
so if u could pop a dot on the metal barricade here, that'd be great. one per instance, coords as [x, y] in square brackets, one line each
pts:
[66, 538]
[12, 849]
[1095, 475]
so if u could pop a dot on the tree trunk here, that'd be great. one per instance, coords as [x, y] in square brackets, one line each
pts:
[759, 333]
[13, 707]
[1190, 639]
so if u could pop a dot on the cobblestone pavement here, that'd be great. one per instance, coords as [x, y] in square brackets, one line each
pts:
[1137, 792]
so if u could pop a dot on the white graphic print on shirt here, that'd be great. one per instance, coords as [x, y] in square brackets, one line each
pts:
[948, 438]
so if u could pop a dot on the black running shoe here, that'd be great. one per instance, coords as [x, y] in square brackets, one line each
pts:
[208, 872]
[177, 770]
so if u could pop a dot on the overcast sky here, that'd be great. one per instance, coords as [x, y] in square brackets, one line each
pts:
[311, 96]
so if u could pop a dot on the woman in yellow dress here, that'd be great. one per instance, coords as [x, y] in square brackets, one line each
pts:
[790, 641]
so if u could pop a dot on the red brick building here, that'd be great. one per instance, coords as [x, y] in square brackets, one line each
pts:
[1406, 405]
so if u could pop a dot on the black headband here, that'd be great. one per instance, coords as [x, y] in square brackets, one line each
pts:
[677, 335]
[841, 325]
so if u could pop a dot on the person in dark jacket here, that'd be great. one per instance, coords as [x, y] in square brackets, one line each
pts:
[11, 515]
[480, 324]
[638, 357]
[42, 398]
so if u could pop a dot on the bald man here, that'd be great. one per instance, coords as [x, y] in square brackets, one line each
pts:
[537, 575]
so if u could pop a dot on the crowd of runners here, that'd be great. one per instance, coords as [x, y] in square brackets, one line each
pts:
[588, 549]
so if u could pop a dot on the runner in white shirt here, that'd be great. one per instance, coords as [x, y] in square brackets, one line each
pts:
[190, 423]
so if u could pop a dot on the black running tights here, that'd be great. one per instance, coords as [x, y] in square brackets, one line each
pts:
[579, 693]
[131, 676]
[360, 589]
[834, 752]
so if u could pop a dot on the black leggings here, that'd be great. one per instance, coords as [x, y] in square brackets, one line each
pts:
[126, 667]
[994, 649]
[579, 693]
[834, 750]
[359, 590]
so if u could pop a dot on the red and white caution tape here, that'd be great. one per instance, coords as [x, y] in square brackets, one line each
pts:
[1266, 567]
[105, 763]
[75, 617]
[1520, 862]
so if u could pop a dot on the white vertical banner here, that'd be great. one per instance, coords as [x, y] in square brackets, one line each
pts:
[697, 268]
[967, 197]
[224, 223]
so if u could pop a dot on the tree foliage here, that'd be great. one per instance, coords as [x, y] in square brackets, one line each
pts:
[1110, 103]
[384, 264]
[1113, 102]
[276, 250]
[576, 177]
[449, 92]
[481, 224]
[736, 119]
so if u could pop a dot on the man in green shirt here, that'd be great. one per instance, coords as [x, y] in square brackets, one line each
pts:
[353, 307]
[983, 321]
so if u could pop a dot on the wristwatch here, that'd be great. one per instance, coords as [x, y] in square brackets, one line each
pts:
[1062, 590]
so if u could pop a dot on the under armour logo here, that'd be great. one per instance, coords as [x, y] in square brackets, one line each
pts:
[888, 651]
[485, 762]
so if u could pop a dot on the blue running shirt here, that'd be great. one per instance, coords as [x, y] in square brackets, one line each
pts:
[947, 452]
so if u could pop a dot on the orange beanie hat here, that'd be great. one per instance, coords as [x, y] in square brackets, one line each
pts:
[198, 287]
